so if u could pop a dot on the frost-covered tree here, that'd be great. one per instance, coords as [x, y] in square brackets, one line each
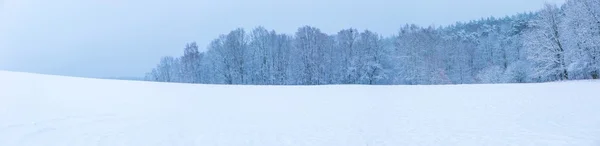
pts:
[346, 60]
[582, 26]
[489, 52]
[311, 48]
[419, 52]
[267, 57]
[546, 47]
[371, 63]
[551, 44]
[214, 64]
[226, 58]
[191, 63]
[235, 47]
[259, 59]
[165, 71]
[458, 57]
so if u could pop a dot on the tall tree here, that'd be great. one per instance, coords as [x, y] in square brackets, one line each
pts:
[191, 63]
[311, 46]
[546, 46]
[582, 22]
[372, 61]
[347, 58]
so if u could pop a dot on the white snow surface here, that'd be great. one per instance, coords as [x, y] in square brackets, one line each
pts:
[44, 110]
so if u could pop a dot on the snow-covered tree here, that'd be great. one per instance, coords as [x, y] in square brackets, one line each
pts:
[165, 71]
[582, 24]
[190, 62]
[346, 60]
[267, 57]
[545, 45]
[551, 44]
[419, 52]
[311, 46]
[371, 63]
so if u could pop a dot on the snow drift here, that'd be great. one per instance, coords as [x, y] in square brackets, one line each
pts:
[48, 110]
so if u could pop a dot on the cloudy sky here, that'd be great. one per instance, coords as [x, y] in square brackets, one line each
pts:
[126, 38]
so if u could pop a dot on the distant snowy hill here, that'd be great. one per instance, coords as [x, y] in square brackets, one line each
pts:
[44, 110]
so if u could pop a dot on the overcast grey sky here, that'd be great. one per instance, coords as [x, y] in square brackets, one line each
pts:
[109, 38]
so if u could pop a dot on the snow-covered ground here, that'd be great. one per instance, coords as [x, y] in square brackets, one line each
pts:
[43, 110]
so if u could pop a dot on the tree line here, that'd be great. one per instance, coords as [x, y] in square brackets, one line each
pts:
[552, 44]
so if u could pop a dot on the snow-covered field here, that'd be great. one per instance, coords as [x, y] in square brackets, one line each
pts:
[43, 110]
